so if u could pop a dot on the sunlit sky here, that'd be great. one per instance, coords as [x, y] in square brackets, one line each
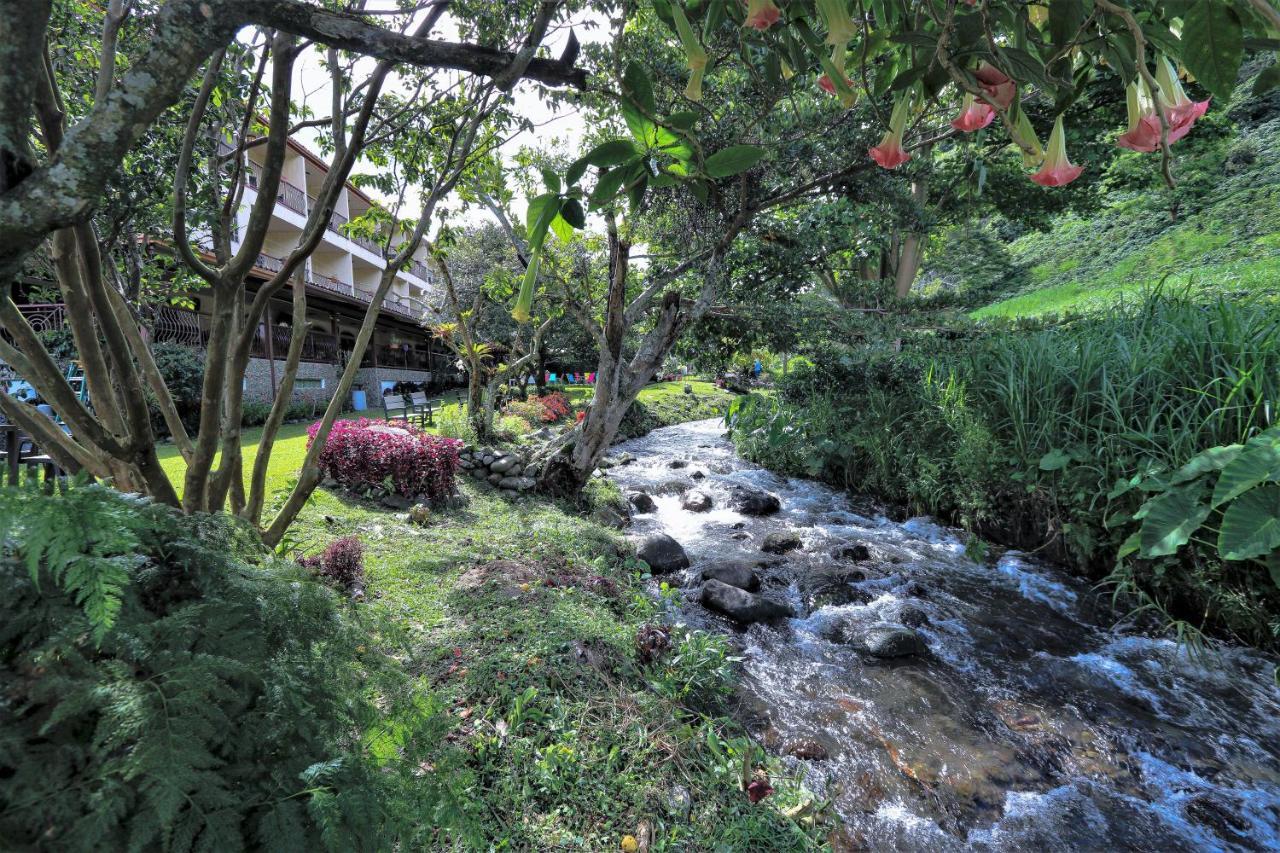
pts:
[558, 126]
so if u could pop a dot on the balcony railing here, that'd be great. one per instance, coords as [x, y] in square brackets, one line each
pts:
[269, 263]
[420, 270]
[290, 196]
[337, 224]
[316, 346]
[334, 285]
[397, 356]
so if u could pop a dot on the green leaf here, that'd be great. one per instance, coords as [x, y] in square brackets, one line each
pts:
[1055, 460]
[542, 209]
[607, 186]
[683, 120]
[1025, 68]
[732, 160]
[1251, 525]
[1213, 459]
[561, 228]
[1171, 519]
[615, 152]
[1065, 18]
[637, 88]
[571, 211]
[1273, 568]
[1257, 462]
[551, 180]
[575, 171]
[1212, 45]
[642, 129]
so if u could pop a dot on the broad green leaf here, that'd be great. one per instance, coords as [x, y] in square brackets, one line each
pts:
[575, 171]
[551, 180]
[1065, 18]
[637, 88]
[608, 185]
[571, 211]
[642, 129]
[1055, 460]
[732, 160]
[663, 179]
[635, 192]
[1212, 45]
[1251, 525]
[1171, 519]
[561, 228]
[612, 153]
[542, 209]
[1025, 68]
[1257, 462]
[1213, 459]
[683, 120]
[1273, 568]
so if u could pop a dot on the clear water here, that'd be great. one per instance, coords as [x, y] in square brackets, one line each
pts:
[1031, 723]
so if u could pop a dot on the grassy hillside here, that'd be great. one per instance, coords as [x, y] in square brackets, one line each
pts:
[1225, 239]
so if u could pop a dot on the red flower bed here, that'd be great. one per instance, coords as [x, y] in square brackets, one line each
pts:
[555, 406]
[365, 455]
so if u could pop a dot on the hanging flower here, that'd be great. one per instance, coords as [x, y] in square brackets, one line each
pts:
[889, 153]
[1179, 111]
[1144, 125]
[694, 53]
[1027, 141]
[840, 26]
[974, 115]
[998, 86]
[1057, 170]
[762, 14]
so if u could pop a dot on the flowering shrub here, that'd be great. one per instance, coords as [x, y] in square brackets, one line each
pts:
[366, 455]
[342, 563]
[555, 406]
[548, 408]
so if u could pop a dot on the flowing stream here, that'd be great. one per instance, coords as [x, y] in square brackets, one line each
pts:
[1028, 720]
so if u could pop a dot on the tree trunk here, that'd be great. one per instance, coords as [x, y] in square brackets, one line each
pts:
[911, 250]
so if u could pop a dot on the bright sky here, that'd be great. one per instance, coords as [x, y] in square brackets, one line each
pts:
[560, 126]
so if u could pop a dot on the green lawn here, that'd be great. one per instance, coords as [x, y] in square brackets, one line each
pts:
[291, 443]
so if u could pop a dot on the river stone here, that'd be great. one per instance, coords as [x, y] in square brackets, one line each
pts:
[514, 470]
[740, 605]
[697, 475]
[749, 501]
[394, 501]
[672, 487]
[503, 465]
[855, 551]
[696, 501]
[662, 553]
[734, 574]
[806, 750]
[642, 502]
[610, 517]
[678, 463]
[479, 473]
[780, 542]
[887, 640]
[495, 479]
[906, 613]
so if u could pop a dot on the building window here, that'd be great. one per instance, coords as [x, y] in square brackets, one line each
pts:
[308, 384]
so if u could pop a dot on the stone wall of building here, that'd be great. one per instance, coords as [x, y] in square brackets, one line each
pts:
[315, 382]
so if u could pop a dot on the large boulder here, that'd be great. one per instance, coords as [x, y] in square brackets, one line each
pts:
[662, 553]
[749, 501]
[740, 605]
[734, 574]
[642, 502]
[887, 640]
[503, 464]
[696, 501]
[780, 542]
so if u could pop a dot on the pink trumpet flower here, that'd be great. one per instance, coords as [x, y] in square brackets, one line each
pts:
[1144, 125]
[762, 14]
[974, 115]
[999, 87]
[889, 153]
[1057, 170]
[1180, 111]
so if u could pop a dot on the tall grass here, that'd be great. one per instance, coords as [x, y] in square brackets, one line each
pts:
[1022, 435]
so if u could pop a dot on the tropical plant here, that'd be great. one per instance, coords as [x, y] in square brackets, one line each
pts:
[368, 457]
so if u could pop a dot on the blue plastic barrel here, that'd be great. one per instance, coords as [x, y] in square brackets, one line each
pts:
[358, 401]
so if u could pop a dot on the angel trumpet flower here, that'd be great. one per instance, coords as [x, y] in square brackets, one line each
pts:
[1027, 141]
[974, 115]
[1144, 125]
[998, 86]
[1057, 170]
[840, 26]
[889, 153]
[524, 301]
[762, 14]
[1179, 111]
[694, 53]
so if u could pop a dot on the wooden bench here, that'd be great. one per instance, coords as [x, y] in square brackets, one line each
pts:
[414, 407]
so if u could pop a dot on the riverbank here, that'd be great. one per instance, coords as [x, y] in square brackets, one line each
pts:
[1035, 439]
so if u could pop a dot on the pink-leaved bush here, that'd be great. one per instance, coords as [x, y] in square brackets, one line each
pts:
[365, 455]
